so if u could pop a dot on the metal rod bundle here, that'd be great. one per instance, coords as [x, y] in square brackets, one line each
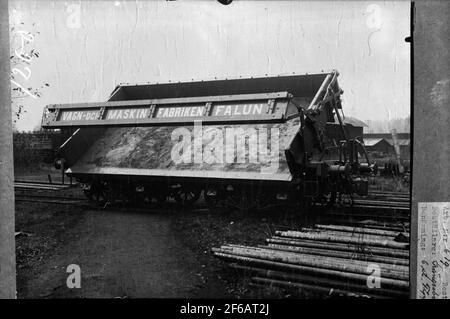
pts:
[343, 239]
[328, 262]
[328, 259]
[363, 230]
[363, 249]
[341, 254]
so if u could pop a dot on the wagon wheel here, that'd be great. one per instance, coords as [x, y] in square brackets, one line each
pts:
[86, 188]
[129, 193]
[185, 195]
[98, 192]
[141, 195]
[238, 198]
[212, 196]
[345, 199]
[325, 201]
[152, 196]
[265, 199]
[159, 195]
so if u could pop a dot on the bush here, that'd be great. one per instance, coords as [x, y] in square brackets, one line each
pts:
[31, 149]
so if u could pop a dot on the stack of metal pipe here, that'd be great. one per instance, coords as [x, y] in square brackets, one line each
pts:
[378, 205]
[335, 260]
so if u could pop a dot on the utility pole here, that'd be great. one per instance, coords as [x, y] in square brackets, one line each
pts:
[7, 238]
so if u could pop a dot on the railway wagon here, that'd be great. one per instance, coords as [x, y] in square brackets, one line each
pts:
[245, 141]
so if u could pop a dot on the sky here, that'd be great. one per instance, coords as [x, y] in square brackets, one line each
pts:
[86, 48]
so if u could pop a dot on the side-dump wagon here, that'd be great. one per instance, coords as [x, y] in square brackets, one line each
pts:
[247, 140]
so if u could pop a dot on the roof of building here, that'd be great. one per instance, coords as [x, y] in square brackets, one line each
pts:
[354, 121]
[387, 135]
[351, 121]
[400, 141]
[371, 141]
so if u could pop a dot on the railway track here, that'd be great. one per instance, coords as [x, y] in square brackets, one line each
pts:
[50, 199]
[383, 203]
[32, 191]
[378, 205]
[18, 184]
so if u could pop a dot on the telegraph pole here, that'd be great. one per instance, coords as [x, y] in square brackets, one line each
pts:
[397, 150]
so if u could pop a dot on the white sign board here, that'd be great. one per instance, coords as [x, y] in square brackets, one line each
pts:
[433, 251]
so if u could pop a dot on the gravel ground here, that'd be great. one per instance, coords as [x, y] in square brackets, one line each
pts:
[121, 253]
[135, 253]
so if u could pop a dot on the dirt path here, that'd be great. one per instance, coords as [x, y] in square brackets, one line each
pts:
[123, 254]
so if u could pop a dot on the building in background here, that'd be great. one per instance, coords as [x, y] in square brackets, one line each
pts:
[380, 148]
[378, 145]
[382, 142]
[353, 126]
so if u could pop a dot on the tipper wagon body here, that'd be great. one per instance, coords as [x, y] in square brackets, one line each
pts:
[271, 137]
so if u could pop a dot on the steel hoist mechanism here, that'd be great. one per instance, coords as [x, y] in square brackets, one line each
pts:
[249, 142]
